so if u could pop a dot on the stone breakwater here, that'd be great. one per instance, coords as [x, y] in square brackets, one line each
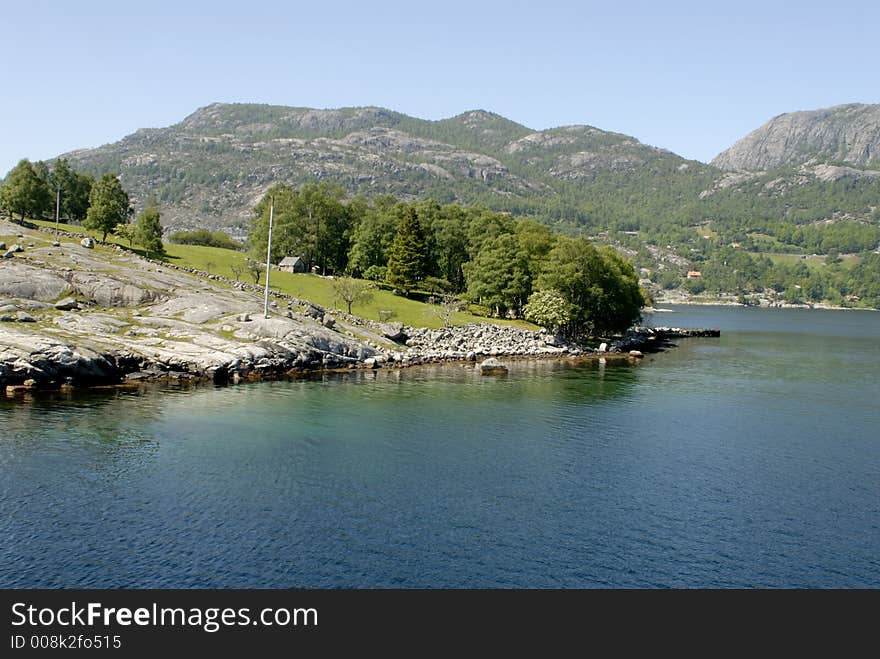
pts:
[471, 342]
[654, 339]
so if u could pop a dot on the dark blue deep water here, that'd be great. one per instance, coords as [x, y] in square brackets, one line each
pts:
[752, 460]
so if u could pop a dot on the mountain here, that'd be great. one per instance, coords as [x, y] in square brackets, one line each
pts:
[844, 134]
[806, 183]
[212, 167]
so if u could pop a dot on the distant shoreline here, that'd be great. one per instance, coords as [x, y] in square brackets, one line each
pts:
[725, 303]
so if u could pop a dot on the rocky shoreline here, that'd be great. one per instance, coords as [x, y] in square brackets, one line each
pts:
[74, 316]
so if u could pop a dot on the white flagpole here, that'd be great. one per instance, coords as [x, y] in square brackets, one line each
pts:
[57, 211]
[269, 258]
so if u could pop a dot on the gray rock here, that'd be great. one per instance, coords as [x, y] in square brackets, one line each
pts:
[109, 291]
[67, 304]
[849, 133]
[25, 281]
[553, 340]
[492, 366]
[88, 243]
[2, 245]
[394, 332]
[24, 317]
[328, 321]
[244, 318]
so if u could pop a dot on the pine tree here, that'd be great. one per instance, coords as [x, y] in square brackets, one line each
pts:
[407, 259]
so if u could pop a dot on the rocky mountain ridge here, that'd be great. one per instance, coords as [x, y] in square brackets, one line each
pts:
[212, 167]
[845, 134]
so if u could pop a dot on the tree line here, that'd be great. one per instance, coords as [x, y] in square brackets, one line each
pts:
[34, 190]
[514, 268]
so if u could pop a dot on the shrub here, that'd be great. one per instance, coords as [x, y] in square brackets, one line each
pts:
[206, 238]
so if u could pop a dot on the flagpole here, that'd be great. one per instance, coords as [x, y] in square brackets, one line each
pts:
[57, 210]
[269, 258]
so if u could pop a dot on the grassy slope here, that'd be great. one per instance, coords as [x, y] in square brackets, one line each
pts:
[308, 287]
[812, 261]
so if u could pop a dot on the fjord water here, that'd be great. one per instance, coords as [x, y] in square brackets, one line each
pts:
[751, 460]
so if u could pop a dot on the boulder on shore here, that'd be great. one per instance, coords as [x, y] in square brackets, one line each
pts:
[88, 243]
[394, 332]
[492, 366]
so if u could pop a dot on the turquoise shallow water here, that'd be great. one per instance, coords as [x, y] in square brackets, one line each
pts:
[749, 460]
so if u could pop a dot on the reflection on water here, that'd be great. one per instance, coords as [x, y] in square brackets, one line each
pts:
[749, 460]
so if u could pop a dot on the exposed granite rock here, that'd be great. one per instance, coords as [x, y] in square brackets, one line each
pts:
[180, 328]
[67, 304]
[394, 332]
[845, 133]
[21, 280]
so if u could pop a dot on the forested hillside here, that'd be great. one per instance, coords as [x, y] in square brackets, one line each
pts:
[669, 214]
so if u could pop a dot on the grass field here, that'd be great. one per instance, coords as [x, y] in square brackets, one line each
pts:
[813, 261]
[314, 288]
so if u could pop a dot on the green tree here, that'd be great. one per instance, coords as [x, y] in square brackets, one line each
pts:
[352, 291]
[254, 269]
[311, 222]
[148, 230]
[41, 169]
[499, 278]
[449, 243]
[25, 192]
[108, 205]
[75, 188]
[128, 233]
[407, 257]
[373, 234]
[536, 240]
[623, 299]
[205, 237]
[549, 309]
[601, 287]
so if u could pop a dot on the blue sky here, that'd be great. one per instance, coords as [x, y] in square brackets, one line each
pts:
[687, 76]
